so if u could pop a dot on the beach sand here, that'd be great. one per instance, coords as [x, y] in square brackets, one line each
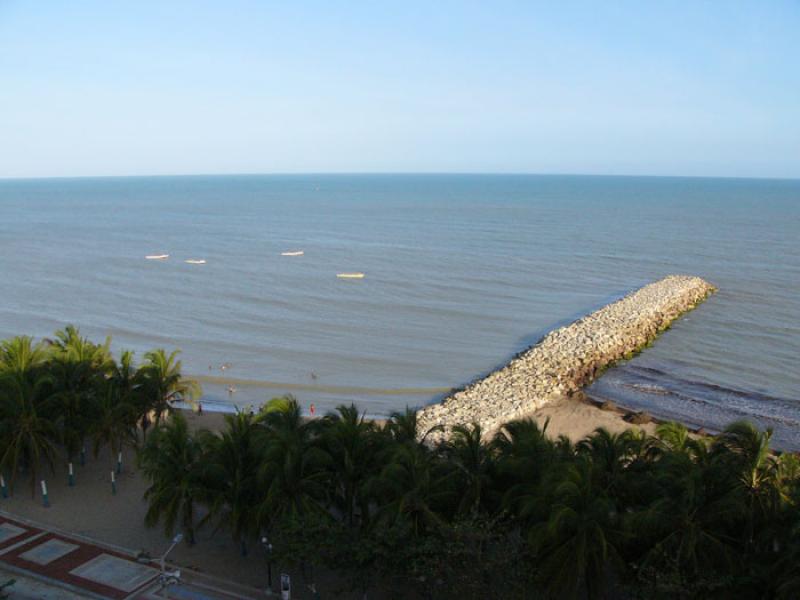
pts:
[579, 416]
[89, 509]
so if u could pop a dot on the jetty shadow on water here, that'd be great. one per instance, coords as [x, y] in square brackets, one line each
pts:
[530, 340]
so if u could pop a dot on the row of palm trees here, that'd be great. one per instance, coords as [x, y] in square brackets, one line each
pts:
[519, 515]
[60, 395]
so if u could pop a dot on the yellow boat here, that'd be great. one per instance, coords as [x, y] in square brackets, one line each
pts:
[350, 275]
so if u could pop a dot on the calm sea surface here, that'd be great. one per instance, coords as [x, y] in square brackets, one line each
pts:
[461, 273]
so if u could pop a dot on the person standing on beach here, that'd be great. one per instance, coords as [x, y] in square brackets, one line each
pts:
[312, 409]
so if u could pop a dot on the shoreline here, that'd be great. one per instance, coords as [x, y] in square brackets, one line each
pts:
[575, 416]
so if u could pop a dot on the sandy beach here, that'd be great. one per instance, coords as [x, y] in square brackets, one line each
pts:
[579, 416]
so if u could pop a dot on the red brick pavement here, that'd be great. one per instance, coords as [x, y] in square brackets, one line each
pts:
[59, 569]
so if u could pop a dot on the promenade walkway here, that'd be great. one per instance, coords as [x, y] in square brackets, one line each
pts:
[90, 570]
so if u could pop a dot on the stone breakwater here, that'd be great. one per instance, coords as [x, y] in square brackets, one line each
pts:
[566, 359]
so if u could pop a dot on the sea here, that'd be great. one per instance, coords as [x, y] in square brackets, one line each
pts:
[461, 272]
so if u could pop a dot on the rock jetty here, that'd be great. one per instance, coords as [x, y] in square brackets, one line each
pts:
[566, 359]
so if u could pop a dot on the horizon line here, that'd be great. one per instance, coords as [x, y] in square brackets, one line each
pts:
[395, 173]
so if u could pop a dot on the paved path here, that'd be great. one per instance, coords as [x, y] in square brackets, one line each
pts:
[89, 570]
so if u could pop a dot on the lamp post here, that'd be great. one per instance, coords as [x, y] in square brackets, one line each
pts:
[268, 549]
[175, 541]
[173, 577]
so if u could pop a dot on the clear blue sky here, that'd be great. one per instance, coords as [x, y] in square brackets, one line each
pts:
[168, 87]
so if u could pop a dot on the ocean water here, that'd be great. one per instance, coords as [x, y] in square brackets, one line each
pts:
[461, 273]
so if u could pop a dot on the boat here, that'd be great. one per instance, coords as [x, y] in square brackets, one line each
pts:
[293, 253]
[157, 256]
[195, 261]
[350, 275]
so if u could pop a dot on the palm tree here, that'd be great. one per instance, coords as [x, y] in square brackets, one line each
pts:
[352, 445]
[475, 465]
[576, 545]
[177, 464]
[747, 450]
[414, 488]
[234, 467]
[291, 470]
[114, 423]
[612, 456]
[673, 437]
[27, 433]
[402, 427]
[82, 349]
[525, 455]
[162, 384]
[124, 376]
[686, 529]
[78, 367]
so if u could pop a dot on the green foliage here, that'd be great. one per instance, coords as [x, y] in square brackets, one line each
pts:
[178, 464]
[28, 433]
[520, 515]
[232, 478]
[59, 395]
[162, 384]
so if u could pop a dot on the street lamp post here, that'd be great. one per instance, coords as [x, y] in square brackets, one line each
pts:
[268, 549]
[175, 541]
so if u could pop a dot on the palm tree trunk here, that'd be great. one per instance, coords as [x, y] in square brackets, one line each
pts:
[33, 481]
[145, 425]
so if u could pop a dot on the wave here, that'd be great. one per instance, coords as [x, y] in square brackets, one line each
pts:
[664, 378]
[705, 403]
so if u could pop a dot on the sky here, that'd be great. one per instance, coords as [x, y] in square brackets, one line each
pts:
[96, 88]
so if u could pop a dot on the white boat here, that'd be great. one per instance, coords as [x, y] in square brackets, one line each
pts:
[350, 275]
[195, 261]
[157, 256]
[293, 253]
